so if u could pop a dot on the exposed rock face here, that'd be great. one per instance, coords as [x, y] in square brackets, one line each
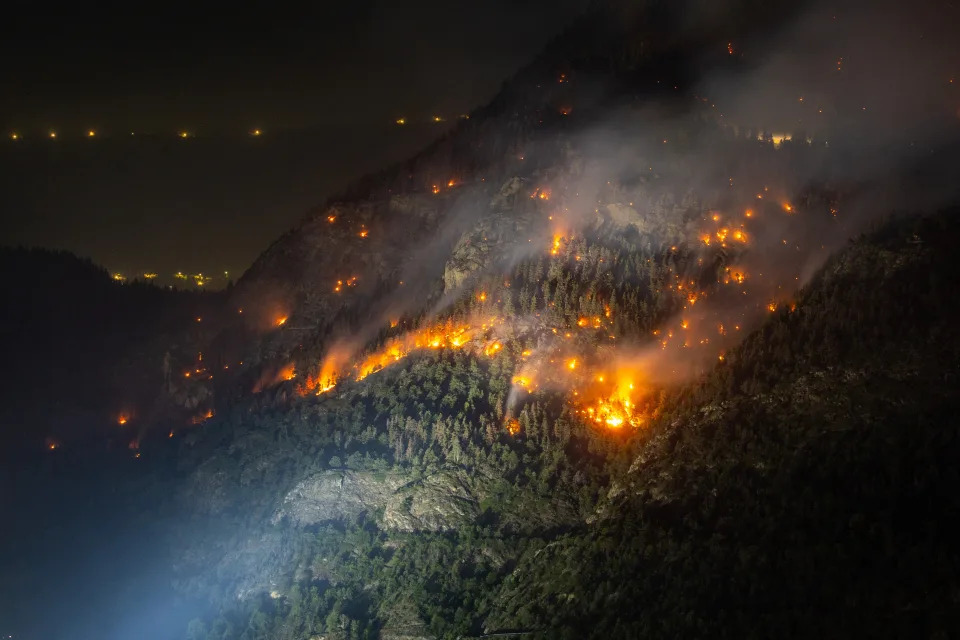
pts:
[439, 502]
[337, 495]
[446, 500]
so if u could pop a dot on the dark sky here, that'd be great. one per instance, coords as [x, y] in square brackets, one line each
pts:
[324, 81]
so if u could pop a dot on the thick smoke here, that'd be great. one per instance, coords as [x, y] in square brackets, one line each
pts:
[792, 139]
[818, 130]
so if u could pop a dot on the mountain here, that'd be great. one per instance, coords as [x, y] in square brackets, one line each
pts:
[614, 357]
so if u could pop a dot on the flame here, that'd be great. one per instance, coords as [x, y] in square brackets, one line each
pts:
[122, 419]
[446, 335]
[614, 403]
[524, 381]
[201, 417]
[558, 239]
[282, 320]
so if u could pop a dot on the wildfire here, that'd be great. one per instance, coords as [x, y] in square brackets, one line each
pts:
[349, 282]
[735, 274]
[613, 401]
[523, 381]
[282, 320]
[122, 419]
[446, 335]
[202, 417]
[557, 241]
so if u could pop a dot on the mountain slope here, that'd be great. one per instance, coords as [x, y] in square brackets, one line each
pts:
[586, 366]
[806, 488]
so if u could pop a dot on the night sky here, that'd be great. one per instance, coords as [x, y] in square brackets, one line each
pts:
[324, 83]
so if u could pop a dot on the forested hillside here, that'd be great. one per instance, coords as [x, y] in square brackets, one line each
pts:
[637, 349]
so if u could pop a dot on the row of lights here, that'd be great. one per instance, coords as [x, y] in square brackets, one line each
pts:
[199, 278]
[403, 121]
[93, 134]
[253, 132]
